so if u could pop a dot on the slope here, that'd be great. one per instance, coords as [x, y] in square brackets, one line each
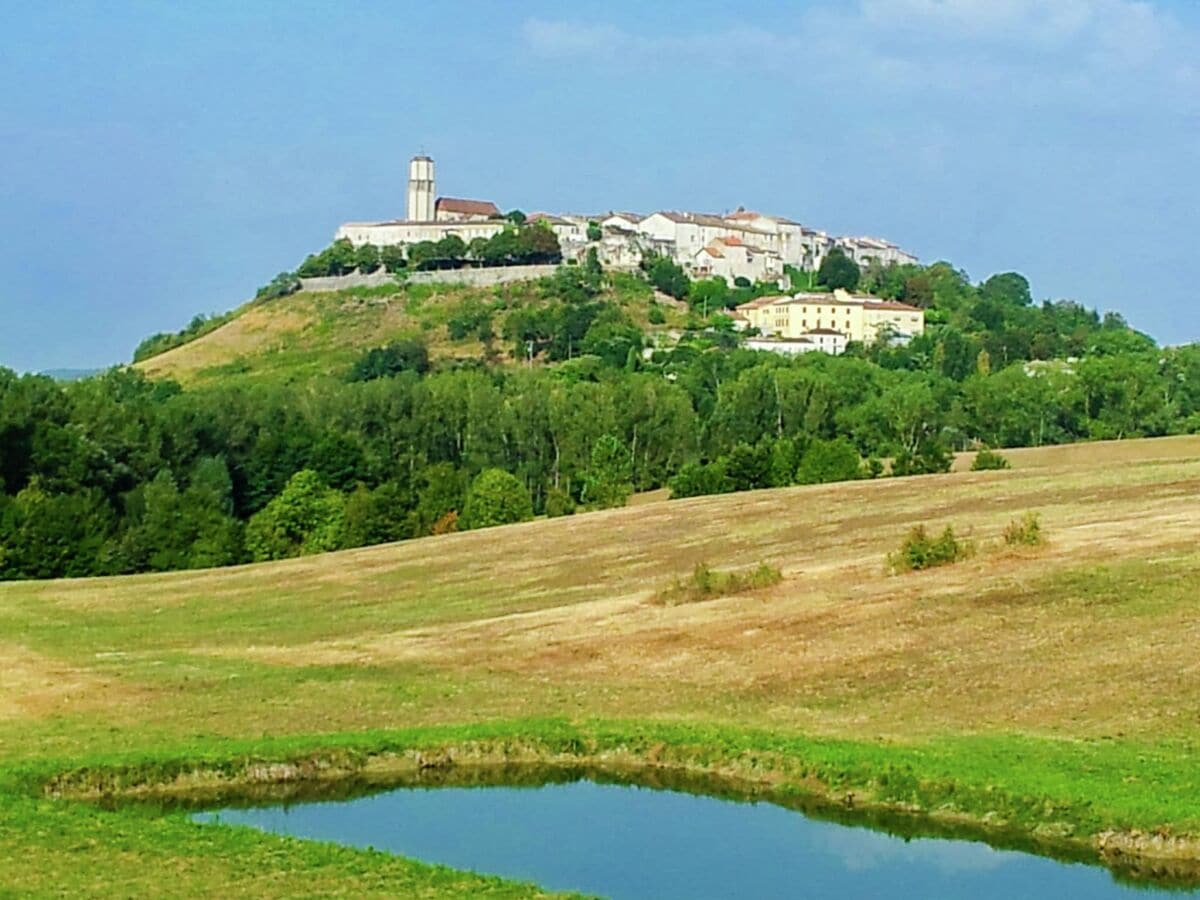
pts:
[321, 333]
[1065, 675]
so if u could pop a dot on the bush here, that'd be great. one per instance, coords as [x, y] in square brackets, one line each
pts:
[920, 551]
[559, 503]
[987, 460]
[497, 497]
[697, 480]
[382, 362]
[1025, 531]
[707, 583]
[280, 286]
[827, 461]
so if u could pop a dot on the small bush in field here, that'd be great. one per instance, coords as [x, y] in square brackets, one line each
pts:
[1025, 531]
[987, 460]
[707, 582]
[921, 551]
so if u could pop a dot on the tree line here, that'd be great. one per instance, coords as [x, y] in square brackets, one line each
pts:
[119, 473]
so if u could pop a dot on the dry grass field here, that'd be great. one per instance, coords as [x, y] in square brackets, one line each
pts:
[1091, 637]
[1090, 634]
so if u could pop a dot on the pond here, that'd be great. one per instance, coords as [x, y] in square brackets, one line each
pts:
[623, 841]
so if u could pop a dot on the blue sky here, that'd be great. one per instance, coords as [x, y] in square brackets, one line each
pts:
[159, 160]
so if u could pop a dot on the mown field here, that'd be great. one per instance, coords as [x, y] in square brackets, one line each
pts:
[1055, 689]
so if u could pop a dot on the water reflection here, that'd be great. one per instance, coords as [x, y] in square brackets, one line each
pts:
[625, 841]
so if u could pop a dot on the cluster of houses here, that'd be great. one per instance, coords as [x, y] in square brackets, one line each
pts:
[738, 245]
[741, 244]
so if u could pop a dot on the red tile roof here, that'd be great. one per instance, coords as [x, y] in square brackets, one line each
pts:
[467, 207]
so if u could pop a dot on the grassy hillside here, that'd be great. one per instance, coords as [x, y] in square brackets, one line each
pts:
[1053, 689]
[309, 334]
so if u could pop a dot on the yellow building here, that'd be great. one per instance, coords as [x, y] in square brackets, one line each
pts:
[861, 318]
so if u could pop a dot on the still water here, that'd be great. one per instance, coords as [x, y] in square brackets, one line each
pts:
[629, 842]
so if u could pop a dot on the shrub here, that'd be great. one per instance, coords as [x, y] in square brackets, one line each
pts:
[706, 583]
[697, 480]
[410, 355]
[656, 315]
[497, 497]
[920, 551]
[559, 503]
[826, 461]
[987, 460]
[1025, 531]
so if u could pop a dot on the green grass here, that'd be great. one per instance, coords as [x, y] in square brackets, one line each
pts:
[1037, 698]
[1032, 794]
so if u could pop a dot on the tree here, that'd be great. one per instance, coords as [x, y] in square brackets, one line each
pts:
[696, 480]
[612, 337]
[538, 245]
[421, 254]
[838, 271]
[306, 517]
[1009, 288]
[378, 516]
[708, 295]
[594, 232]
[593, 272]
[408, 355]
[666, 276]
[609, 480]
[366, 258]
[747, 467]
[392, 258]
[497, 497]
[516, 216]
[825, 461]
[451, 249]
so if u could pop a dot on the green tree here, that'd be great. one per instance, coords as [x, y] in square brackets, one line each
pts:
[306, 517]
[837, 270]
[594, 232]
[366, 258]
[825, 461]
[497, 497]
[666, 276]
[451, 249]
[408, 355]
[1009, 288]
[609, 480]
[392, 258]
[708, 296]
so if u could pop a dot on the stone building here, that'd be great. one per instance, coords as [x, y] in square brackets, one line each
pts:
[429, 218]
[858, 317]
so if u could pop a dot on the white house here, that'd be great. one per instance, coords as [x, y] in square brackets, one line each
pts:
[731, 258]
[864, 249]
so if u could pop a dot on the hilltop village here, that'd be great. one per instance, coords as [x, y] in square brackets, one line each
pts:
[739, 247]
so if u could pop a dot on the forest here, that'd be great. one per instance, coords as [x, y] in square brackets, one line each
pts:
[120, 473]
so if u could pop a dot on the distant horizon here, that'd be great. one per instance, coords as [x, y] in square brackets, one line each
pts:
[165, 161]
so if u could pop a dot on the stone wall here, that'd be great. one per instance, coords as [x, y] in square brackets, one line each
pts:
[472, 277]
[481, 277]
[341, 282]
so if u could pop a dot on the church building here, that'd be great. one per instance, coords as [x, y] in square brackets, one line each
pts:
[427, 218]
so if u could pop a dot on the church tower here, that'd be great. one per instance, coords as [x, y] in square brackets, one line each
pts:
[420, 189]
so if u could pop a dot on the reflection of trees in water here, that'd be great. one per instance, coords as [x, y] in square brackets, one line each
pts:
[440, 771]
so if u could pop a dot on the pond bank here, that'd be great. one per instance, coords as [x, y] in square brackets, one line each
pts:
[893, 787]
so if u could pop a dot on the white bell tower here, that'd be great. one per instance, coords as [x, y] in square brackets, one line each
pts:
[420, 189]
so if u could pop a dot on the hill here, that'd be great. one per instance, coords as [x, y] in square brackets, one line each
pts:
[1051, 693]
[321, 333]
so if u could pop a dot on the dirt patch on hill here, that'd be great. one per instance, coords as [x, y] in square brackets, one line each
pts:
[254, 331]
